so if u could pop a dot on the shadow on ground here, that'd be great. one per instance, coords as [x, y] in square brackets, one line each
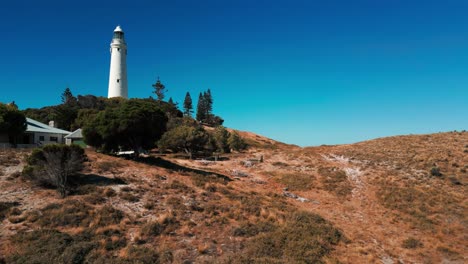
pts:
[93, 179]
[176, 167]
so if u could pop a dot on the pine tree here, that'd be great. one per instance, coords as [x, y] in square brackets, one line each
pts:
[201, 112]
[208, 103]
[171, 102]
[67, 97]
[159, 90]
[188, 107]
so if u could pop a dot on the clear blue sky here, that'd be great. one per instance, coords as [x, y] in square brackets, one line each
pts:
[302, 72]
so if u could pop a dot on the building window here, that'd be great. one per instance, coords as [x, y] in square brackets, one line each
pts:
[118, 49]
[118, 80]
[41, 138]
[54, 139]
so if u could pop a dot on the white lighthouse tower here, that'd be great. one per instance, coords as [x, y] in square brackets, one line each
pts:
[118, 66]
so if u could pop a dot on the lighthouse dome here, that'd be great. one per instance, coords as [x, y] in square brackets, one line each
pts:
[118, 29]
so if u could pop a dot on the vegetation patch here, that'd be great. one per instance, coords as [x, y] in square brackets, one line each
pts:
[200, 180]
[166, 225]
[412, 243]
[335, 181]
[108, 215]
[48, 246]
[77, 214]
[71, 213]
[304, 238]
[296, 181]
[52, 165]
[248, 229]
[5, 208]
[423, 204]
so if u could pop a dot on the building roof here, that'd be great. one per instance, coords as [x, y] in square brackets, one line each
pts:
[36, 126]
[118, 29]
[75, 134]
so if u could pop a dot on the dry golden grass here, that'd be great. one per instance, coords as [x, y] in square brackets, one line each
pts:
[362, 198]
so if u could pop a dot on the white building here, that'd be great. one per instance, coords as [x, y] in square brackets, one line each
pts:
[118, 66]
[37, 134]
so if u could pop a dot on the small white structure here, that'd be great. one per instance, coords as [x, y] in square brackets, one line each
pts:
[118, 66]
[76, 137]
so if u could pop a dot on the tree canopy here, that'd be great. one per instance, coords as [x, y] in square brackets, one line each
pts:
[12, 122]
[189, 139]
[236, 142]
[205, 110]
[136, 124]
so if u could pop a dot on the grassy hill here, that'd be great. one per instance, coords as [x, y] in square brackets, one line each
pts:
[380, 201]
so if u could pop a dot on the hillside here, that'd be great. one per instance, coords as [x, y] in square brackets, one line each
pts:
[397, 199]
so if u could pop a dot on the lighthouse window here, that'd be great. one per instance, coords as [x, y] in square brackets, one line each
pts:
[118, 49]
[118, 80]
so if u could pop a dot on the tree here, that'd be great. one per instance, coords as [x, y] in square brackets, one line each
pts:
[67, 97]
[65, 115]
[185, 138]
[188, 107]
[201, 112]
[221, 136]
[208, 103]
[54, 164]
[236, 142]
[13, 105]
[205, 110]
[159, 90]
[12, 122]
[171, 102]
[136, 124]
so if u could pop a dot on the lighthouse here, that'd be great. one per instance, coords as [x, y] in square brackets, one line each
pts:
[118, 66]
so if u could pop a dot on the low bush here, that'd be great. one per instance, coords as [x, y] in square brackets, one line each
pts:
[142, 255]
[166, 225]
[435, 171]
[129, 197]
[335, 181]
[108, 215]
[69, 214]
[200, 180]
[5, 208]
[52, 165]
[304, 238]
[249, 229]
[47, 246]
[296, 181]
[411, 243]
